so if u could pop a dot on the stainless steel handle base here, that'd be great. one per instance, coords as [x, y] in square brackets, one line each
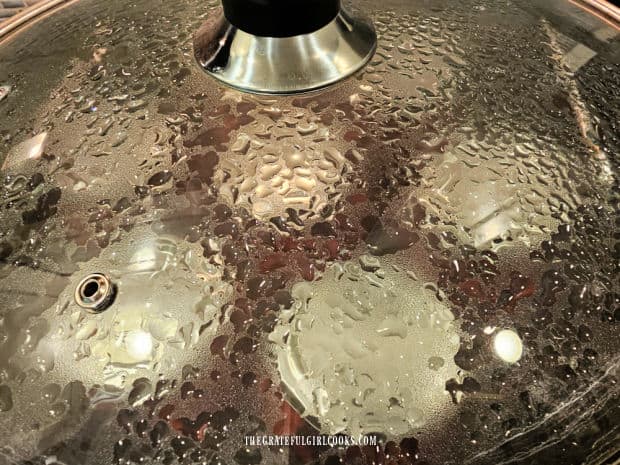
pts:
[285, 65]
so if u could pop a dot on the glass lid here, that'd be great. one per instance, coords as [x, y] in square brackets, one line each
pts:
[415, 265]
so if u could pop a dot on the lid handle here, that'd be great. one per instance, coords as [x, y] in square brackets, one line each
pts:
[280, 18]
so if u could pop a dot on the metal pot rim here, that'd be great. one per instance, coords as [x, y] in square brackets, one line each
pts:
[603, 9]
[29, 16]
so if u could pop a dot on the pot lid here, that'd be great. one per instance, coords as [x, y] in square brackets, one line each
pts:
[423, 252]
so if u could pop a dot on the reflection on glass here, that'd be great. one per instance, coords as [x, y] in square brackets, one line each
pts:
[508, 346]
[139, 344]
[32, 149]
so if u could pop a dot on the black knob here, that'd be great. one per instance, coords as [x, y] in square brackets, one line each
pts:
[280, 18]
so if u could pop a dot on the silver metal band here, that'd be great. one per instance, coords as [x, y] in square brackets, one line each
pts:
[268, 65]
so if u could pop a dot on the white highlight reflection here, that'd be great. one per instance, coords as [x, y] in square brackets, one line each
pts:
[139, 345]
[32, 149]
[508, 346]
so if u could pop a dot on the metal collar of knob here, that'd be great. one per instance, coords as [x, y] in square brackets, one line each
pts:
[284, 46]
